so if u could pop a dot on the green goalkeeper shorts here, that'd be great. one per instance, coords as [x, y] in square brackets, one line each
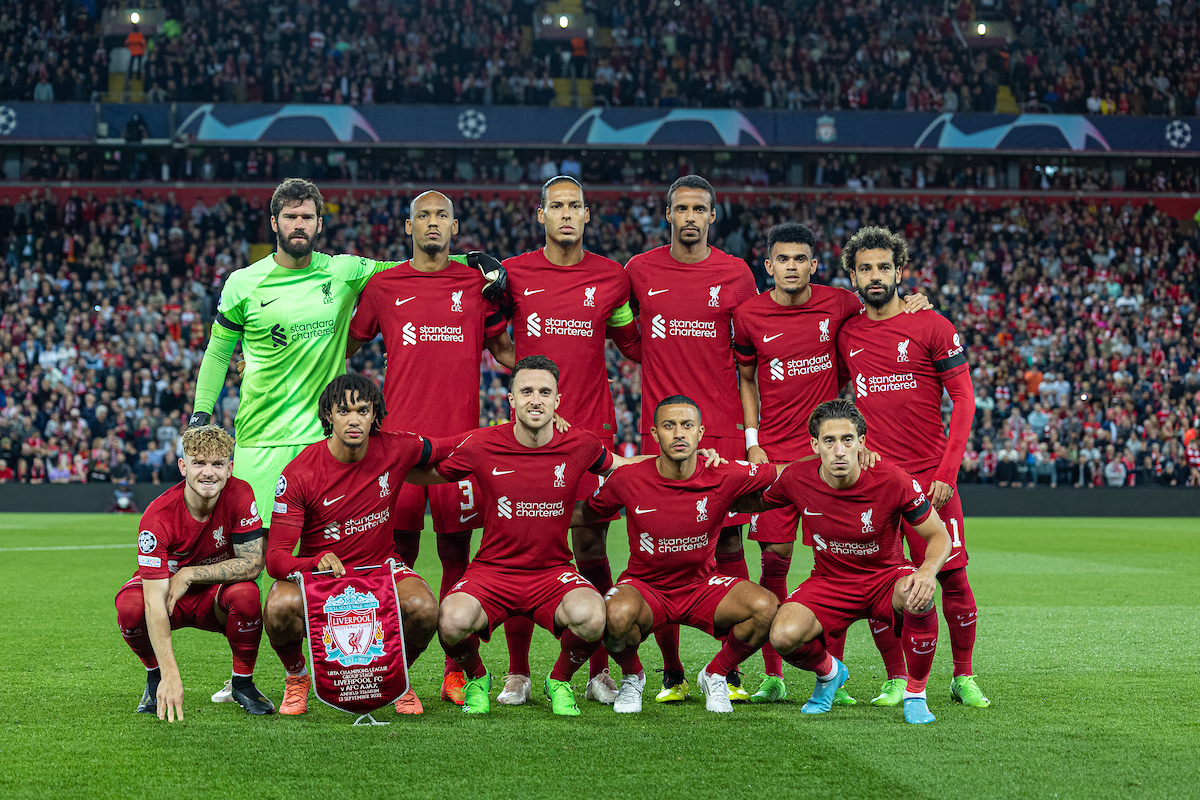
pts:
[261, 467]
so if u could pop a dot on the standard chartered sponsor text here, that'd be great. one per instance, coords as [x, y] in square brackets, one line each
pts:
[441, 333]
[539, 509]
[311, 330]
[567, 327]
[693, 327]
[892, 383]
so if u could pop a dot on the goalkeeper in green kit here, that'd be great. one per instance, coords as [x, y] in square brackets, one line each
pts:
[291, 311]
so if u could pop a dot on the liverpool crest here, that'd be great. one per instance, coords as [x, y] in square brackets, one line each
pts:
[353, 635]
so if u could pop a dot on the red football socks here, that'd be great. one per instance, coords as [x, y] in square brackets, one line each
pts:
[732, 653]
[733, 564]
[774, 579]
[629, 662]
[406, 545]
[244, 626]
[599, 574]
[574, 651]
[465, 655]
[131, 617]
[518, 633]
[668, 642]
[889, 647]
[958, 607]
[919, 639]
[454, 551]
[812, 657]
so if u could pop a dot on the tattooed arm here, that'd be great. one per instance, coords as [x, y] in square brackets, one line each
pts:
[246, 565]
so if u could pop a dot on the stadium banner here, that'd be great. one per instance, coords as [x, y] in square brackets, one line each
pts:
[508, 126]
[47, 123]
[355, 638]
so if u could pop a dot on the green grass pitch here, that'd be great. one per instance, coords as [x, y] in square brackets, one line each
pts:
[1087, 648]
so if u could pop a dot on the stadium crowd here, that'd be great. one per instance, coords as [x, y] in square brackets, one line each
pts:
[1080, 320]
[1065, 57]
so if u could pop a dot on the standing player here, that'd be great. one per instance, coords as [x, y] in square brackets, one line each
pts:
[199, 553]
[674, 510]
[859, 571]
[291, 311]
[784, 343]
[336, 499]
[900, 365]
[684, 295]
[434, 323]
[528, 475]
[564, 301]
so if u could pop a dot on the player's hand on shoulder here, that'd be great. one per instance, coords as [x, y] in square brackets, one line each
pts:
[711, 457]
[867, 458]
[917, 301]
[940, 493]
[561, 425]
[493, 272]
[756, 455]
[170, 697]
[331, 563]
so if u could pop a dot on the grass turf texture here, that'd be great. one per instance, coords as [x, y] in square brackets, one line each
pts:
[1086, 648]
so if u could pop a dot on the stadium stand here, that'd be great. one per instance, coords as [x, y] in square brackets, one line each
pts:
[906, 56]
[1080, 317]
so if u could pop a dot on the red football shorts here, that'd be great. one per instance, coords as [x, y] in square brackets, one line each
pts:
[952, 516]
[505, 593]
[452, 505]
[694, 604]
[730, 448]
[196, 609]
[838, 602]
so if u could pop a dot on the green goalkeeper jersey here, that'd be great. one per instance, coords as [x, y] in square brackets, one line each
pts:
[293, 324]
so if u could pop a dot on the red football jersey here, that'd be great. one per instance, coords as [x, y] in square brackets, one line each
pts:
[170, 538]
[685, 312]
[794, 350]
[854, 531]
[561, 312]
[344, 509]
[897, 367]
[673, 525]
[433, 326]
[528, 493]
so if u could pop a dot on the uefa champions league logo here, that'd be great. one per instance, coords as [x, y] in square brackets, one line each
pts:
[353, 636]
[8, 120]
[472, 124]
[1178, 133]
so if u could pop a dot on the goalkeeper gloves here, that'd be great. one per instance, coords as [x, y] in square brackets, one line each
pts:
[493, 272]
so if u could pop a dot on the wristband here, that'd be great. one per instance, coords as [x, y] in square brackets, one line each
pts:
[751, 437]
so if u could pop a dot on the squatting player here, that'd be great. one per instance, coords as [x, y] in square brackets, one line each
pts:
[564, 301]
[199, 553]
[434, 321]
[899, 365]
[336, 499]
[684, 294]
[675, 508]
[859, 572]
[528, 475]
[784, 342]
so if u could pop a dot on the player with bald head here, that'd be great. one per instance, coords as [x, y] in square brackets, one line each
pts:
[436, 313]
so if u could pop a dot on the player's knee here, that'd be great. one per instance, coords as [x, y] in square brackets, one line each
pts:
[454, 618]
[131, 611]
[763, 607]
[284, 611]
[621, 617]
[730, 540]
[421, 610]
[242, 598]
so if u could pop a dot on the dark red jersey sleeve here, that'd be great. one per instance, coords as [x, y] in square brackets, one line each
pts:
[364, 324]
[914, 506]
[153, 540]
[287, 524]
[607, 500]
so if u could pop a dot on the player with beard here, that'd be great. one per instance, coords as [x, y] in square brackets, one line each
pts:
[528, 475]
[684, 295]
[564, 301]
[784, 343]
[336, 499]
[675, 508]
[899, 366]
[434, 322]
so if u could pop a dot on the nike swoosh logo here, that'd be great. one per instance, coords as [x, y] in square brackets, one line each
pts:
[637, 510]
[468, 516]
[653, 292]
[853, 353]
[771, 338]
[966, 624]
[334, 500]
[502, 471]
[400, 302]
[265, 303]
[533, 291]
[881, 630]
[808, 513]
